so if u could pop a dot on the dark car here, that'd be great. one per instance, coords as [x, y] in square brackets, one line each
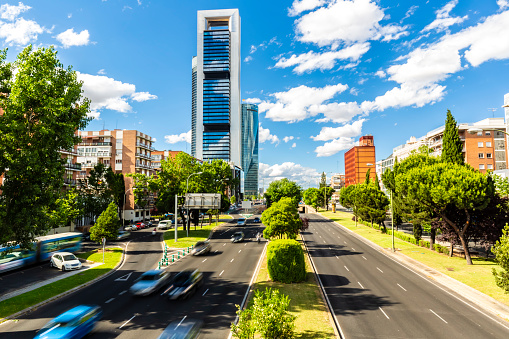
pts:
[75, 323]
[122, 235]
[184, 284]
[183, 329]
[149, 282]
[201, 248]
[257, 220]
[237, 237]
[85, 236]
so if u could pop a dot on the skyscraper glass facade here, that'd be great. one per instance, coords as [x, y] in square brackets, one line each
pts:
[193, 108]
[250, 149]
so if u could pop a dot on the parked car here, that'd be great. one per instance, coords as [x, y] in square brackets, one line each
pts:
[140, 225]
[201, 248]
[149, 282]
[241, 222]
[130, 228]
[65, 261]
[122, 235]
[184, 284]
[237, 237]
[256, 220]
[165, 224]
[188, 329]
[74, 323]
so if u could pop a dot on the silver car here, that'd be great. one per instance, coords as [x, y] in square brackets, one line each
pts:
[149, 282]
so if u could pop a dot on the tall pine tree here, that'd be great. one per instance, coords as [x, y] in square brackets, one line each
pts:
[451, 145]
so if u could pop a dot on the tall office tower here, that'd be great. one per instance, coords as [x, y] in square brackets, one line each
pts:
[193, 108]
[217, 129]
[250, 149]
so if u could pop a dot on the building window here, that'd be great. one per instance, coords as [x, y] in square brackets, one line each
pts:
[479, 133]
[489, 156]
[490, 166]
[488, 143]
[480, 144]
[481, 155]
[481, 166]
[488, 133]
[118, 161]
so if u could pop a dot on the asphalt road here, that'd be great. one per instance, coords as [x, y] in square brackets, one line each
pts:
[373, 296]
[227, 273]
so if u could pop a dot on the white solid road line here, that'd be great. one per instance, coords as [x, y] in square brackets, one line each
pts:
[205, 292]
[361, 285]
[108, 301]
[127, 321]
[384, 313]
[123, 292]
[347, 269]
[439, 317]
[380, 270]
[180, 323]
[401, 287]
[220, 274]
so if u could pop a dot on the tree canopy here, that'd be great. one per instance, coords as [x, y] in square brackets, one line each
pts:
[107, 225]
[281, 220]
[283, 188]
[452, 147]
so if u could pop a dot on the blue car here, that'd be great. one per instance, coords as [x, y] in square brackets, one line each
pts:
[150, 282]
[184, 329]
[75, 323]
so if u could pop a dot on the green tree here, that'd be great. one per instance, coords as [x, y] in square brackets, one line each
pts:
[94, 191]
[283, 188]
[367, 176]
[244, 329]
[323, 180]
[311, 197]
[281, 220]
[143, 188]
[445, 189]
[501, 251]
[372, 203]
[107, 225]
[233, 200]
[324, 195]
[66, 209]
[43, 107]
[501, 185]
[451, 143]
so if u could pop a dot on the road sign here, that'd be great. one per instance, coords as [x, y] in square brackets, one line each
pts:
[203, 201]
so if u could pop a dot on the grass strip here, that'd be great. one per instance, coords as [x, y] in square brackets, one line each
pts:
[477, 276]
[18, 303]
[305, 302]
[195, 235]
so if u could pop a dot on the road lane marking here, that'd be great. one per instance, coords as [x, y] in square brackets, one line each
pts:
[220, 274]
[108, 301]
[386, 314]
[324, 242]
[439, 317]
[380, 270]
[347, 269]
[361, 285]
[205, 292]
[344, 242]
[240, 251]
[363, 257]
[204, 260]
[215, 251]
[127, 321]
[245, 244]
[330, 248]
[124, 277]
[232, 260]
[401, 287]
[353, 249]
[224, 244]
[180, 323]
[123, 292]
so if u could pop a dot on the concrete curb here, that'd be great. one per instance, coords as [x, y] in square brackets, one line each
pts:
[63, 294]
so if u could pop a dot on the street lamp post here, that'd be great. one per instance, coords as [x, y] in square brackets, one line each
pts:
[392, 223]
[187, 202]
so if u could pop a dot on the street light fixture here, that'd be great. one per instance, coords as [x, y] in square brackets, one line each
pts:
[187, 205]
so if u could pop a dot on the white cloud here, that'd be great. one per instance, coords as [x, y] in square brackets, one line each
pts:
[10, 12]
[299, 103]
[288, 138]
[443, 19]
[338, 112]
[406, 95]
[70, 38]
[173, 139]
[333, 147]
[294, 145]
[299, 6]
[143, 96]
[410, 12]
[290, 170]
[264, 135]
[310, 61]
[248, 58]
[255, 101]
[503, 4]
[345, 131]
[20, 32]
[380, 74]
[101, 71]
[109, 93]
[94, 115]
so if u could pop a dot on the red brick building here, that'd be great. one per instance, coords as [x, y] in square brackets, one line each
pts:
[358, 160]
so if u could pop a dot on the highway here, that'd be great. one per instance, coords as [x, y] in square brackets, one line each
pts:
[227, 272]
[373, 296]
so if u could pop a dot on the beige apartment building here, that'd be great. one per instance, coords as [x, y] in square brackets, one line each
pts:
[126, 151]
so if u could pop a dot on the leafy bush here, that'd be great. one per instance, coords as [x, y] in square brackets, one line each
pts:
[285, 261]
[501, 251]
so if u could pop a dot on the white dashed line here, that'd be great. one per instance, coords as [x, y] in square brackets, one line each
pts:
[127, 321]
[401, 287]
[220, 274]
[224, 244]
[347, 269]
[123, 292]
[386, 314]
[215, 251]
[439, 317]
[353, 249]
[205, 292]
[360, 285]
[380, 270]
[108, 301]
[324, 242]
[363, 257]
[232, 260]
[240, 251]
[204, 260]
[344, 242]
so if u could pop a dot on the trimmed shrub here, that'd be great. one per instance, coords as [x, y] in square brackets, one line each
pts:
[285, 261]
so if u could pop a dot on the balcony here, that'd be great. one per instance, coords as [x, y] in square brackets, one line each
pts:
[104, 154]
[73, 166]
[139, 144]
[144, 156]
[69, 152]
[95, 144]
[88, 165]
[138, 165]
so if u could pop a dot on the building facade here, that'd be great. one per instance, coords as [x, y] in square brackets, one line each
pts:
[358, 160]
[337, 182]
[217, 120]
[157, 156]
[250, 149]
[125, 151]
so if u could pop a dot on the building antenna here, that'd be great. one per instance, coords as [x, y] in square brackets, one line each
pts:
[492, 111]
[104, 122]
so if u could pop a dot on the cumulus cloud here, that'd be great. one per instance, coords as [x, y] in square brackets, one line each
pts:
[310, 61]
[264, 135]
[503, 4]
[299, 6]
[345, 131]
[299, 103]
[333, 147]
[255, 101]
[380, 74]
[173, 139]
[294, 172]
[294, 145]
[443, 19]
[20, 32]
[108, 93]
[10, 12]
[338, 112]
[70, 38]
[248, 58]
[288, 138]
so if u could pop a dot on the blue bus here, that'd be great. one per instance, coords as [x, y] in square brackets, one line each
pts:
[12, 257]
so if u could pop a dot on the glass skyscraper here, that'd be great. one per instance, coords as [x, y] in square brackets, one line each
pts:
[250, 149]
[216, 116]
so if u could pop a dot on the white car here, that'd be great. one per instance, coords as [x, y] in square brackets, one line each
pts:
[165, 224]
[65, 261]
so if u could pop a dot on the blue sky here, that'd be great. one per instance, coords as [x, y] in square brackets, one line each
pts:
[324, 72]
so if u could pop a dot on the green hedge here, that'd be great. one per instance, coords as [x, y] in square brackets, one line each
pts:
[285, 261]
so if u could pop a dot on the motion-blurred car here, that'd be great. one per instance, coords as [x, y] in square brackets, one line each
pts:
[149, 282]
[187, 329]
[122, 235]
[140, 225]
[85, 236]
[241, 222]
[256, 220]
[165, 224]
[130, 228]
[237, 237]
[201, 248]
[184, 284]
[65, 261]
[74, 323]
